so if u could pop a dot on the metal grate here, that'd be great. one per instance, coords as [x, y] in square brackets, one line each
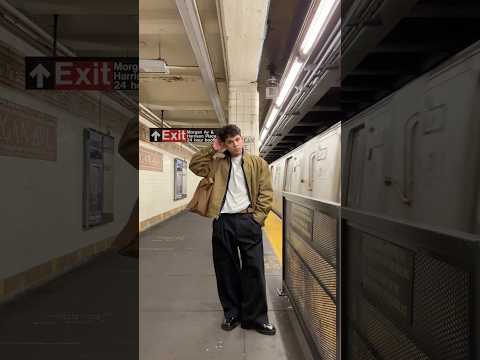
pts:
[317, 309]
[380, 277]
[322, 270]
[325, 236]
[310, 274]
[441, 306]
[387, 339]
[358, 349]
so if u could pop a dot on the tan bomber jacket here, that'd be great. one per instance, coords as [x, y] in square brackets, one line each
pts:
[257, 176]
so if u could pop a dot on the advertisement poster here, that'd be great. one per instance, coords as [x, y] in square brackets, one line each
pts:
[98, 178]
[180, 183]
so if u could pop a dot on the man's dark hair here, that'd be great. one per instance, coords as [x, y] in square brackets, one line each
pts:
[228, 131]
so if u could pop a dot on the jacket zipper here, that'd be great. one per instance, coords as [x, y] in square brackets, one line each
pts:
[226, 187]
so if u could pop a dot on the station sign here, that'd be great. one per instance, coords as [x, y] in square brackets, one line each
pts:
[192, 135]
[81, 73]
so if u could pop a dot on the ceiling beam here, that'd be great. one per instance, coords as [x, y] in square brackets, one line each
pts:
[324, 108]
[193, 27]
[84, 7]
[175, 76]
[446, 11]
[306, 124]
[365, 38]
[413, 48]
[393, 71]
[172, 26]
[285, 142]
[362, 88]
[193, 123]
[301, 134]
[181, 106]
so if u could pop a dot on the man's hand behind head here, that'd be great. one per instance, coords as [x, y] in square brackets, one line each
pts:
[218, 145]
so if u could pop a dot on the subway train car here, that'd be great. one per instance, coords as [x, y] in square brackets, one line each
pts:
[313, 170]
[417, 163]
[420, 163]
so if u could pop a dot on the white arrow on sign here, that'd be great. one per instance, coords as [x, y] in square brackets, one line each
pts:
[156, 135]
[40, 73]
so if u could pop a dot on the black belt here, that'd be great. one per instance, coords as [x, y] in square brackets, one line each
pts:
[248, 210]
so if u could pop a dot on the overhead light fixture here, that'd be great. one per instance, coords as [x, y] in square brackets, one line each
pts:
[289, 81]
[316, 25]
[271, 88]
[154, 65]
[271, 117]
[263, 135]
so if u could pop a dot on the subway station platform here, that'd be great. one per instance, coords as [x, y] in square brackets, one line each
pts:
[180, 314]
[88, 313]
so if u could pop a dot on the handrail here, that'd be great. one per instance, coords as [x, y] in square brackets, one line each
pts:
[328, 207]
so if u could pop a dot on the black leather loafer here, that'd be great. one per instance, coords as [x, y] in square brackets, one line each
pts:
[230, 323]
[265, 329]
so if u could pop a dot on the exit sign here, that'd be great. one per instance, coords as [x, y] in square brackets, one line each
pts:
[77, 73]
[182, 135]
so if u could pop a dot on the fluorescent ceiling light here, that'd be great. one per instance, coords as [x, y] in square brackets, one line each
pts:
[316, 25]
[264, 134]
[152, 65]
[271, 117]
[289, 81]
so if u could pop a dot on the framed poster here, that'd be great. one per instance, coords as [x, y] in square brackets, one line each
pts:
[98, 178]
[180, 178]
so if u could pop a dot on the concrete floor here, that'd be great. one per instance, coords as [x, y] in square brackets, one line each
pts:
[180, 314]
[88, 314]
[92, 312]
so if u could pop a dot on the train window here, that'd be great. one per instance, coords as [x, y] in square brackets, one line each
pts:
[311, 170]
[355, 166]
[289, 168]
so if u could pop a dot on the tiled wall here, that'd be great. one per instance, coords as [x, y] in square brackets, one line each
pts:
[41, 157]
[157, 183]
[243, 112]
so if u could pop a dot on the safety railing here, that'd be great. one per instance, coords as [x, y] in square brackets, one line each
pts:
[310, 277]
[384, 289]
[409, 291]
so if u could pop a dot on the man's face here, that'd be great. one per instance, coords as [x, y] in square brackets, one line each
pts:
[234, 144]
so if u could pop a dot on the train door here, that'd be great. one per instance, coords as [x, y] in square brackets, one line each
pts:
[444, 150]
[376, 128]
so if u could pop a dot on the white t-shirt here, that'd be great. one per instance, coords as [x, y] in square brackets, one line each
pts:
[237, 192]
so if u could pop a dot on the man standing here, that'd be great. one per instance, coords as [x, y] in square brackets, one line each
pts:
[240, 201]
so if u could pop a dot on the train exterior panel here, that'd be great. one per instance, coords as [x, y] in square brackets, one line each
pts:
[413, 156]
[312, 170]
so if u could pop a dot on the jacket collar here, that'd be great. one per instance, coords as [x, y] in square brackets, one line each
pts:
[244, 154]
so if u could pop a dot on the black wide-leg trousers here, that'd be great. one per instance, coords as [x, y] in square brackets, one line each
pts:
[240, 279]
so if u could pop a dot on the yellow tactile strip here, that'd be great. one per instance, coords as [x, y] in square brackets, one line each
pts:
[273, 227]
